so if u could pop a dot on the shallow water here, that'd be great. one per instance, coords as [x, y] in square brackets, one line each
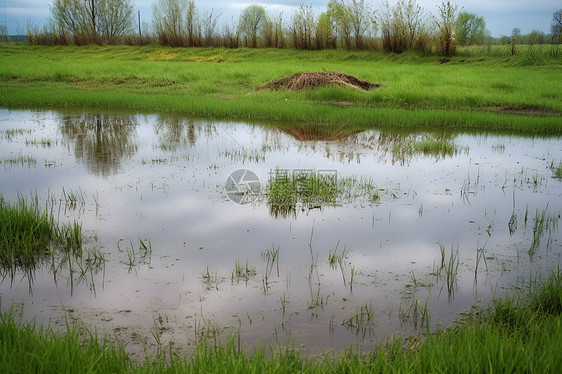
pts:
[162, 180]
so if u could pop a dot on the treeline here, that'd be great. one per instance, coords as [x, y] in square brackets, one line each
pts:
[348, 24]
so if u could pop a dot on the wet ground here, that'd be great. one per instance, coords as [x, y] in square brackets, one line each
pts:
[186, 247]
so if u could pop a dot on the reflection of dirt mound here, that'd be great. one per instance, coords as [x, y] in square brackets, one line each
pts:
[310, 134]
[303, 81]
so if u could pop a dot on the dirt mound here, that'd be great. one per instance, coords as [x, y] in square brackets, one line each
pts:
[304, 81]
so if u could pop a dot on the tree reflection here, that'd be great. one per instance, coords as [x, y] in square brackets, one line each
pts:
[101, 141]
[177, 132]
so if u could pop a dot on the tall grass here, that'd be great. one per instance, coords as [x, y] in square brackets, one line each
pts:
[29, 348]
[29, 234]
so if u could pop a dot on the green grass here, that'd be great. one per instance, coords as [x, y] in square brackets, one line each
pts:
[362, 318]
[29, 234]
[242, 272]
[287, 191]
[556, 170]
[543, 223]
[516, 334]
[28, 348]
[501, 93]
[19, 160]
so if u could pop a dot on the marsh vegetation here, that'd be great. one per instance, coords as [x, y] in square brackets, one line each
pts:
[509, 334]
[355, 236]
[378, 203]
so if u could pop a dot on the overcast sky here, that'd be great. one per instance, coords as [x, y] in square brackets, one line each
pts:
[501, 15]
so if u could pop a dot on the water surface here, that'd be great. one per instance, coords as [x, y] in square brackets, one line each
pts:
[152, 198]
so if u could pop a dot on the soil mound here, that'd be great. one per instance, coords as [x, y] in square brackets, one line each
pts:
[304, 81]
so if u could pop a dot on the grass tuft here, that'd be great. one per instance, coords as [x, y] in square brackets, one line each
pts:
[29, 234]
[556, 170]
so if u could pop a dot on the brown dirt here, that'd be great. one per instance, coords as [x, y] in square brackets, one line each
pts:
[304, 81]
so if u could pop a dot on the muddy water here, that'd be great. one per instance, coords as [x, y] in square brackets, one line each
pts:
[152, 196]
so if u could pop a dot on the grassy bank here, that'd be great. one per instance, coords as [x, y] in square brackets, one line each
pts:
[474, 91]
[515, 335]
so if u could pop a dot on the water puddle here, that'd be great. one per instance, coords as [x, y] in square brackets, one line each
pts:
[279, 236]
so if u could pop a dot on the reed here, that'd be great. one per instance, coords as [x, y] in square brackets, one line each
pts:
[362, 318]
[210, 279]
[19, 160]
[242, 272]
[556, 170]
[542, 223]
[271, 257]
[415, 313]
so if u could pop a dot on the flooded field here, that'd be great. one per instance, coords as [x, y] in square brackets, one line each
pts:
[320, 239]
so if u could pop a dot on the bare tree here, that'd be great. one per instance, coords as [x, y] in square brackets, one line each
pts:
[230, 35]
[268, 33]
[359, 17]
[93, 21]
[515, 34]
[72, 18]
[115, 19]
[251, 23]
[445, 23]
[192, 25]
[279, 35]
[168, 21]
[303, 27]
[402, 26]
[556, 26]
[414, 21]
[209, 25]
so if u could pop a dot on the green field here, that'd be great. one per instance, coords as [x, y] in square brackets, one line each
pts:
[478, 90]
